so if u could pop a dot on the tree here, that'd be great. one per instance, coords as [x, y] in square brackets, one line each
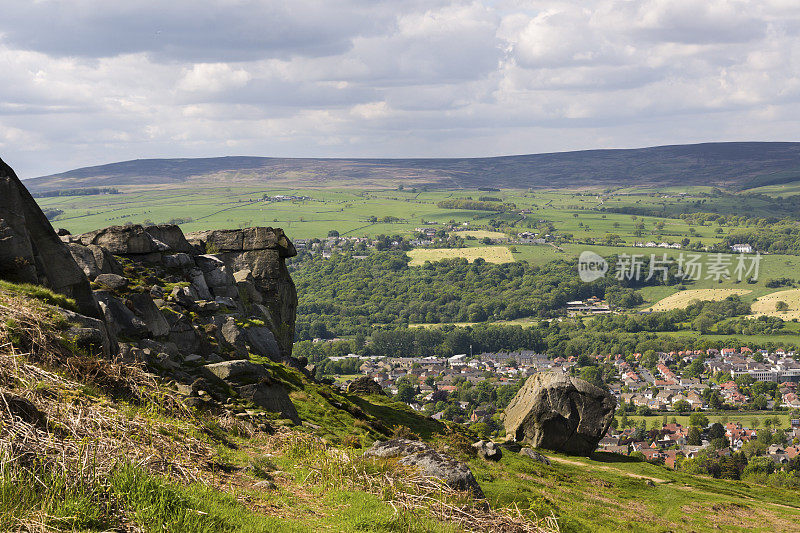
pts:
[693, 438]
[716, 431]
[405, 391]
[719, 444]
[759, 465]
[681, 406]
[333, 233]
[593, 375]
[759, 403]
[698, 420]
[781, 306]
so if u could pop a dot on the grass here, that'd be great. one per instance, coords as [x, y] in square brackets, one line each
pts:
[491, 254]
[610, 493]
[482, 234]
[744, 417]
[37, 292]
[766, 305]
[682, 299]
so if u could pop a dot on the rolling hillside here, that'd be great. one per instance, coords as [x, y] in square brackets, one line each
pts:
[732, 165]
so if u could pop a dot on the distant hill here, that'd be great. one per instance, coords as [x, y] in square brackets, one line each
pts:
[736, 165]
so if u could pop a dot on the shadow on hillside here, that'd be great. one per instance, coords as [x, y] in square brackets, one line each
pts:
[607, 457]
[399, 415]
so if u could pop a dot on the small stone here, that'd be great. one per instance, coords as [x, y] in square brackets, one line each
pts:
[112, 281]
[488, 450]
[536, 456]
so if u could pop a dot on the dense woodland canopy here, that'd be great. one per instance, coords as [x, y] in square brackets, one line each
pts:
[373, 300]
[345, 295]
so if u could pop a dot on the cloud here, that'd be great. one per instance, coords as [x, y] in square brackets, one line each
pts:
[92, 81]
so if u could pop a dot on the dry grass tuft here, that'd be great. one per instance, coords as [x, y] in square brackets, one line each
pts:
[407, 490]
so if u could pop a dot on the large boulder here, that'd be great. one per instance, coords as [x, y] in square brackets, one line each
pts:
[172, 236]
[30, 250]
[428, 461]
[94, 260]
[488, 450]
[561, 413]
[119, 318]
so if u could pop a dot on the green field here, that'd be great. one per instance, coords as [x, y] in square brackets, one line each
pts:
[742, 417]
[573, 217]
[491, 254]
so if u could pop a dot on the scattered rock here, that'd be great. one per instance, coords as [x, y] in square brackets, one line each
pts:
[238, 372]
[94, 260]
[364, 385]
[262, 342]
[456, 474]
[119, 318]
[488, 450]
[122, 240]
[536, 456]
[19, 407]
[180, 260]
[560, 413]
[112, 281]
[171, 235]
[253, 383]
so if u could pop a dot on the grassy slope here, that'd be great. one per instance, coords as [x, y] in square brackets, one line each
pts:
[312, 490]
[608, 494]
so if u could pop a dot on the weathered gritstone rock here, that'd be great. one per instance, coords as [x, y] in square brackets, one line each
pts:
[30, 250]
[456, 474]
[94, 260]
[560, 413]
[124, 240]
[261, 251]
[240, 271]
[253, 383]
[91, 334]
[488, 450]
[115, 282]
[536, 456]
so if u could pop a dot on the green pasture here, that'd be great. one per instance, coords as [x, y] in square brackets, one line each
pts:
[747, 419]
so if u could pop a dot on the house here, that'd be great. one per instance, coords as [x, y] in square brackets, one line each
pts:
[621, 450]
[742, 248]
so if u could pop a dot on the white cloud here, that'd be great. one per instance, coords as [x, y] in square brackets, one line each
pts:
[110, 81]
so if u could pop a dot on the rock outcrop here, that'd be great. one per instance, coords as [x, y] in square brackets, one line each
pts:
[190, 309]
[238, 275]
[456, 474]
[536, 456]
[560, 413]
[30, 250]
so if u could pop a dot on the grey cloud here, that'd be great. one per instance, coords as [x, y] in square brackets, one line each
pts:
[192, 30]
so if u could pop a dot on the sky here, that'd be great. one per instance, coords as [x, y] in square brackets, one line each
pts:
[87, 82]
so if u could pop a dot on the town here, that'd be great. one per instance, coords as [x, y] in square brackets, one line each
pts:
[474, 389]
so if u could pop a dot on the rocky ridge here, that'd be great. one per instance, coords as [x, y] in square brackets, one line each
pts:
[190, 308]
[193, 307]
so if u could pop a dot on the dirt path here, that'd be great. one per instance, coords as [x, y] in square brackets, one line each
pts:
[608, 469]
